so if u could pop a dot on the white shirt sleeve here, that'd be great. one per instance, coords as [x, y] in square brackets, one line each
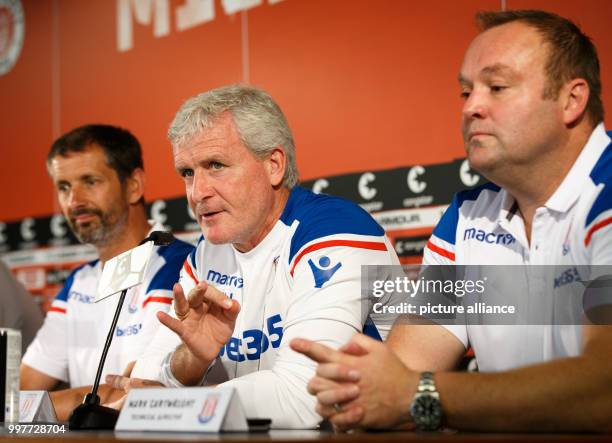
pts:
[441, 253]
[598, 240]
[330, 315]
[150, 364]
[48, 352]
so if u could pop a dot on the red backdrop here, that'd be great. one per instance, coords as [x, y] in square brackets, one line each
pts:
[366, 85]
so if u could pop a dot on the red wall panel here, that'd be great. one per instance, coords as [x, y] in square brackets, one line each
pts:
[365, 84]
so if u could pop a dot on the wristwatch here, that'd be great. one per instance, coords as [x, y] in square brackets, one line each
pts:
[426, 409]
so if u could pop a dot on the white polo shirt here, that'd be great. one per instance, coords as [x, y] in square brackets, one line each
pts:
[68, 346]
[574, 227]
[302, 280]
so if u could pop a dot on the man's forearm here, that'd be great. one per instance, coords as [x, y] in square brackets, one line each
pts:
[65, 400]
[573, 394]
[187, 368]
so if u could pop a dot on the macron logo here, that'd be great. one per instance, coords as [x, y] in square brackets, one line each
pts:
[81, 298]
[488, 237]
[223, 279]
[323, 273]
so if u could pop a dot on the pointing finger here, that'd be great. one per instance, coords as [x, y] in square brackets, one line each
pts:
[171, 323]
[315, 351]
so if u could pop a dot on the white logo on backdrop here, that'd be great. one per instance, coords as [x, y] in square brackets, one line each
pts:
[366, 192]
[319, 185]
[467, 178]
[414, 184]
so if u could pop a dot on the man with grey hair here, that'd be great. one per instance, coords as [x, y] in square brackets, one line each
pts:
[275, 261]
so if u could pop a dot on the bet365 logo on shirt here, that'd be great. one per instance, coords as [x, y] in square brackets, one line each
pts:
[254, 342]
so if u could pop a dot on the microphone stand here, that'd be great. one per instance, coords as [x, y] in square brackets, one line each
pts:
[91, 415]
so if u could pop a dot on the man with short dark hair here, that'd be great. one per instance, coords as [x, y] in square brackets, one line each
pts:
[97, 171]
[532, 124]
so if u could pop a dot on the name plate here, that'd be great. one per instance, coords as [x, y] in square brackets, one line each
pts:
[183, 410]
[36, 407]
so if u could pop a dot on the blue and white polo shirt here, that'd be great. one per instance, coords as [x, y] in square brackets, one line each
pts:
[302, 280]
[574, 227]
[69, 345]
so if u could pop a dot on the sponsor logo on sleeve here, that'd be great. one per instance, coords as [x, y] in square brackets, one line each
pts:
[323, 271]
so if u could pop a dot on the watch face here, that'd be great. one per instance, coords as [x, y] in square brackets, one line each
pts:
[426, 411]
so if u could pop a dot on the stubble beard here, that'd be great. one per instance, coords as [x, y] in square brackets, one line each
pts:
[102, 231]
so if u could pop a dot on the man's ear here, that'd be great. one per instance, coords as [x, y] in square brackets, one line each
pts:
[134, 186]
[576, 97]
[276, 164]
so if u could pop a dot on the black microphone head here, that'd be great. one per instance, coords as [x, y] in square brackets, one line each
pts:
[161, 238]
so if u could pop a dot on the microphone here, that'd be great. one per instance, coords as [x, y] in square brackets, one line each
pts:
[91, 415]
[159, 238]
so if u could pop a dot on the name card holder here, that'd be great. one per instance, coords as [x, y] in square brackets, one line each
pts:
[201, 409]
[36, 407]
[124, 271]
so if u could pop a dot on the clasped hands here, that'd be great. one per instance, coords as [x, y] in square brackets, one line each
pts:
[363, 384]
